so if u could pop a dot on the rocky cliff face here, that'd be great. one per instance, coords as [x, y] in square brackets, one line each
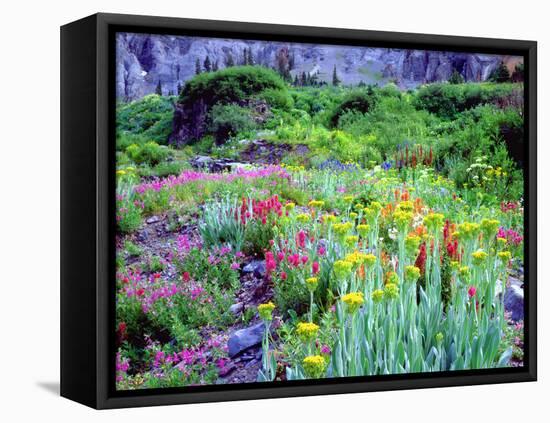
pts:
[145, 60]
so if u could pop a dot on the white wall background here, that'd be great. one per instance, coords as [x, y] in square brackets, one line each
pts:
[29, 208]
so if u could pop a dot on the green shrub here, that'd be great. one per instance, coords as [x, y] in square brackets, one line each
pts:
[150, 153]
[228, 120]
[151, 117]
[230, 85]
[447, 100]
[358, 101]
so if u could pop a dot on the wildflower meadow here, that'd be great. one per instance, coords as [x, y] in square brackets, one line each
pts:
[316, 230]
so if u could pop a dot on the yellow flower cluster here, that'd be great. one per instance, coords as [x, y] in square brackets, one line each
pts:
[479, 257]
[348, 199]
[363, 229]
[312, 283]
[402, 219]
[504, 256]
[316, 204]
[467, 231]
[405, 206]
[290, 206]
[353, 215]
[434, 221]
[329, 218]
[342, 228]
[489, 227]
[464, 272]
[303, 218]
[266, 310]
[353, 300]
[342, 268]
[412, 273]
[351, 240]
[391, 278]
[314, 366]
[307, 331]
[377, 295]
[412, 242]
[391, 291]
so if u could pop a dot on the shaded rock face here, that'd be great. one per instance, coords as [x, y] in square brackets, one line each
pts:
[190, 122]
[144, 60]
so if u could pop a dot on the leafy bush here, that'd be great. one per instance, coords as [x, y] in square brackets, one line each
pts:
[359, 101]
[230, 85]
[149, 117]
[228, 120]
[150, 153]
[446, 100]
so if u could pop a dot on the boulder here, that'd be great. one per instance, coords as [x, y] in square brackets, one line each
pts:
[513, 299]
[256, 267]
[244, 339]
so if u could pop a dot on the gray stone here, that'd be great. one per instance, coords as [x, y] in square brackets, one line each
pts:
[236, 308]
[513, 299]
[244, 339]
[153, 219]
[256, 267]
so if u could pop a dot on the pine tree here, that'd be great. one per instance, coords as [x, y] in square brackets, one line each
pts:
[296, 82]
[179, 88]
[500, 74]
[303, 79]
[215, 66]
[335, 80]
[250, 58]
[207, 65]
[197, 66]
[158, 89]
[456, 78]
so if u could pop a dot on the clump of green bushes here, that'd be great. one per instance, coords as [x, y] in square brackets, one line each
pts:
[447, 100]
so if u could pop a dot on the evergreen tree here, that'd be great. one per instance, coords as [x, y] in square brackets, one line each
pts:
[282, 64]
[500, 74]
[207, 65]
[335, 80]
[179, 88]
[158, 89]
[296, 82]
[456, 78]
[303, 79]
[197, 66]
[216, 66]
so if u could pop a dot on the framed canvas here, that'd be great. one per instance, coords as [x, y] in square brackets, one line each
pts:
[259, 211]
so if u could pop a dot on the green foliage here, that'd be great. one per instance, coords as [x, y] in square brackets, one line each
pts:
[362, 101]
[149, 118]
[228, 120]
[209, 267]
[456, 78]
[447, 100]
[230, 85]
[150, 153]
[256, 237]
[500, 74]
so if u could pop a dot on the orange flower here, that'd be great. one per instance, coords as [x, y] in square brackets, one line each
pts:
[361, 271]
[405, 196]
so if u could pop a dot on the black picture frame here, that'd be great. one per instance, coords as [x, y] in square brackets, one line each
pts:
[87, 210]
